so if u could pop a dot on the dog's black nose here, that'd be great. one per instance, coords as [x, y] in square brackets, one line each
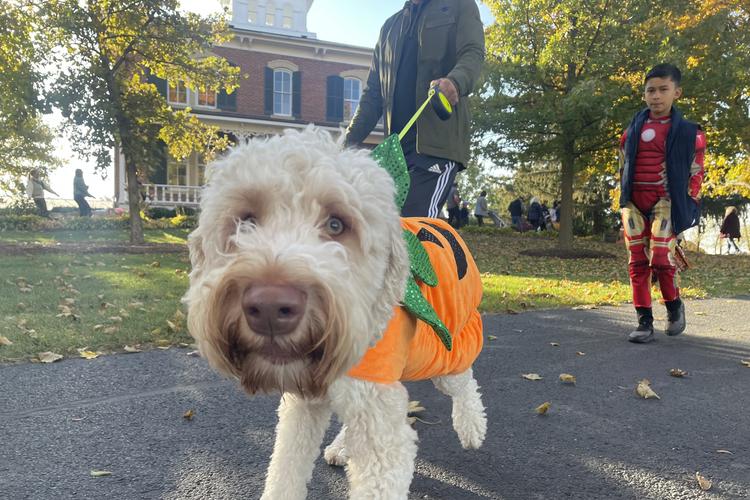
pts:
[273, 309]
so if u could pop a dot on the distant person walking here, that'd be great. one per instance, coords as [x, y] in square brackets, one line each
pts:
[80, 192]
[480, 208]
[453, 205]
[730, 229]
[516, 213]
[35, 188]
[535, 216]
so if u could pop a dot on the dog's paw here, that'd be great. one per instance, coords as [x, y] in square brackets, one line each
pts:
[335, 455]
[471, 429]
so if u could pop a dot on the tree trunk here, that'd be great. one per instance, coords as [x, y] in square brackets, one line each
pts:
[134, 201]
[565, 239]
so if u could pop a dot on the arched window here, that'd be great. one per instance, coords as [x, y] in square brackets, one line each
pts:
[270, 14]
[282, 92]
[352, 93]
[288, 19]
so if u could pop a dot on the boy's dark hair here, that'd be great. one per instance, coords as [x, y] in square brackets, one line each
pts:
[484, 193]
[664, 70]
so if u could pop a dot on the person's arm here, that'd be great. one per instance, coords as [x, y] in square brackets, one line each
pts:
[370, 106]
[696, 168]
[469, 48]
[46, 187]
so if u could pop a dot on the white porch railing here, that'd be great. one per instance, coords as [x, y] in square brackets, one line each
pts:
[169, 195]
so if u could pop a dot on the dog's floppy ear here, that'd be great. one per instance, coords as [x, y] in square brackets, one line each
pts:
[394, 283]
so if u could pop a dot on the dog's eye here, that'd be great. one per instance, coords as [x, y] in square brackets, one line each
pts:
[334, 226]
[249, 218]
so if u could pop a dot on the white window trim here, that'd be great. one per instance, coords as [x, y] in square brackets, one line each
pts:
[178, 103]
[291, 92]
[349, 119]
[207, 106]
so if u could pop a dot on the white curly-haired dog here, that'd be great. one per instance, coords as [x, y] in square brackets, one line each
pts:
[298, 267]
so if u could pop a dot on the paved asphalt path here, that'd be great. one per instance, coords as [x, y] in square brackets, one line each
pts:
[599, 440]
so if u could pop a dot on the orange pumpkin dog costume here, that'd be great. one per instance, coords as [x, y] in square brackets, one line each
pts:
[409, 348]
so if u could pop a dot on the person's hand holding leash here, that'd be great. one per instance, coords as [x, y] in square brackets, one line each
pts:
[448, 88]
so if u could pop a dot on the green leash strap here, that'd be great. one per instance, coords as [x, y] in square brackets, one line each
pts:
[416, 115]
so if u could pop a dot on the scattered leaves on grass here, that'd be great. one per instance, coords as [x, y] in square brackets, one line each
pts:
[726, 452]
[531, 376]
[704, 483]
[100, 473]
[643, 389]
[110, 330]
[49, 357]
[21, 306]
[567, 378]
[491, 337]
[188, 415]
[155, 263]
[140, 274]
[115, 319]
[5, 340]
[130, 348]
[677, 372]
[543, 408]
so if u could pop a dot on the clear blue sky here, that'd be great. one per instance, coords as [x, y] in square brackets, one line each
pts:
[355, 22]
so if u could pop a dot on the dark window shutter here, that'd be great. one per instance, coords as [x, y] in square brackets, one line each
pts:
[161, 84]
[268, 92]
[159, 172]
[227, 102]
[297, 94]
[334, 99]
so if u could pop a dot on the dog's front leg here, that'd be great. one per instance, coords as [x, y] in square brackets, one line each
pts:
[299, 434]
[380, 443]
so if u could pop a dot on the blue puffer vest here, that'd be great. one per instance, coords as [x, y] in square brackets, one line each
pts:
[679, 158]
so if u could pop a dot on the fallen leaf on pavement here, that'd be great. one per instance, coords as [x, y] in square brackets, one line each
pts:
[49, 357]
[567, 378]
[554, 344]
[704, 483]
[745, 362]
[727, 452]
[188, 415]
[88, 354]
[129, 348]
[644, 390]
[699, 313]
[585, 307]
[5, 340]
[194, 354]
[491, 337]
[100, 473]
[580, 353]
[531, 376]
[542, 408]
[677, 372]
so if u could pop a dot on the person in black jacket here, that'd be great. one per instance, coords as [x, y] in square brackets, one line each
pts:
[536, 219]
[730, 229]
[516, 213]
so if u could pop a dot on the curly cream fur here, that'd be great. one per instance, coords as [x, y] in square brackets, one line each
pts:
[263, 221]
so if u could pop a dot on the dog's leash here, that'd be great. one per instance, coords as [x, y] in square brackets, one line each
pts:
[390, 156]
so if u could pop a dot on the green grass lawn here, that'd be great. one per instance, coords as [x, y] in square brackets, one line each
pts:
[94, 236]
[104, 302]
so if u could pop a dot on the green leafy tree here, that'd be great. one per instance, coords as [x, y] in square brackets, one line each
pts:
[111, 47]
[25, 141]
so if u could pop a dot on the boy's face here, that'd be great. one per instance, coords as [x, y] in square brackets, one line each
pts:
[660, 94]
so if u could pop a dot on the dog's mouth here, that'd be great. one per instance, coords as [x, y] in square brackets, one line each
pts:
[277, 355]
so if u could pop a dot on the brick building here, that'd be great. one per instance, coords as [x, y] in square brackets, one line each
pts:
[288, 79]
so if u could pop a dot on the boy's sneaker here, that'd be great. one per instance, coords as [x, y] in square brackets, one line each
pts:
[675, 317]
[645, 331]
